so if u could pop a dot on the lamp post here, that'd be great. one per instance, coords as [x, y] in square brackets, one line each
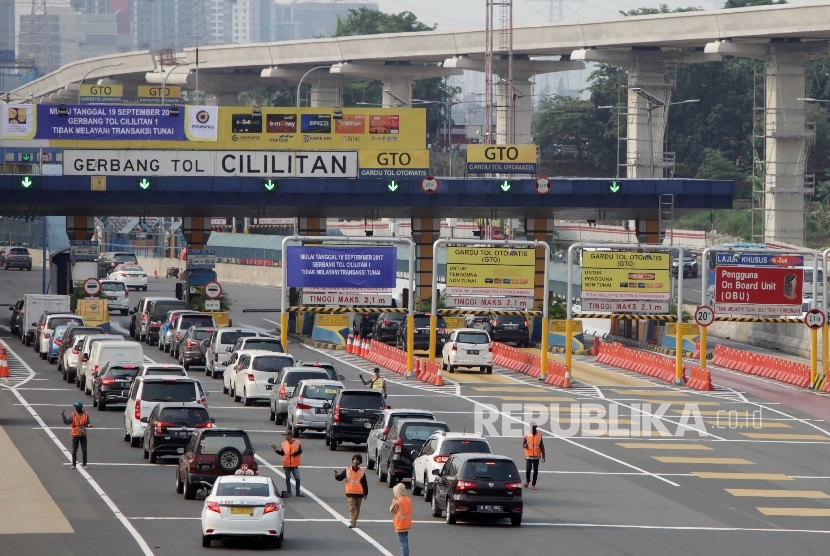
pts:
[169, 73]
[93, 70]
[807, 99]
[300, 84]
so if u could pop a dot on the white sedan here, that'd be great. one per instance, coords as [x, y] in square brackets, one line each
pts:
[244, 506]
[132, 275]
[468, 347]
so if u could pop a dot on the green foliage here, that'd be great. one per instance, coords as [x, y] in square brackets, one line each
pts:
[424, 305]
[716, 167]
[733, 222]
[564, 121]
[661, 9]
[275, 95]
[687, 316]
[365, 21]
[557, 310]
[745, 3]
[197, 300]
[79, 293]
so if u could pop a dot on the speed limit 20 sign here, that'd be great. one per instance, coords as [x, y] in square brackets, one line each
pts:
[814, 319]
[704, 315]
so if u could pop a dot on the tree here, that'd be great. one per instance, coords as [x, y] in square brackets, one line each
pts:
[365, 21]
[661, 9]
[716, 167]
[745, 3]
[562, 120]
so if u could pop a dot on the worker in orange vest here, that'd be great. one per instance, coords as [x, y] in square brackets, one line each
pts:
[291, 450]
[402, 510]
[357, 489]
[80, 423]
[534, 450]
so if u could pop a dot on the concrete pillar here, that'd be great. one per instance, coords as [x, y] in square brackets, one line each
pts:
[311, 226]
[80, 227]
[425, 232]
[539, 229]
[196, 231]
[648, 231]
[327, 92]
[400, 87]
[522, 111]
[646, 160]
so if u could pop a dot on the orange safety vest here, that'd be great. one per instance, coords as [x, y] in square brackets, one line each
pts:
[79, 423]
[290, 459]
[534, 442]
[353, 478]
[403, 517]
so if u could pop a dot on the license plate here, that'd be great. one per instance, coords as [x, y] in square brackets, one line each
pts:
[319, 410]
[489, 508]
[204, 466]
[472, 352]
[511, 326]
[360, 420]
[180, 433]
[367, 425]
[269, 386]
[243, 510]
[179, 450]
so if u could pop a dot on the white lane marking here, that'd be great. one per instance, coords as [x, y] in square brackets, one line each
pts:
[142, 544]
[295, 519]
[675, 528]
[339, 517]
[271, 321]
[105, 464]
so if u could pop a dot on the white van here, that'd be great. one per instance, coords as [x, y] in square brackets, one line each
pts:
[86, 351]
[126, 352]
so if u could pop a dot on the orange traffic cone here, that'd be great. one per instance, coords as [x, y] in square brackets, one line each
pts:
[349, 344]
[156, 273]
[4, 364]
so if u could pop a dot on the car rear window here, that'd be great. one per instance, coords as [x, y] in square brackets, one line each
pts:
[242, 489]
[292, 378]
[363, 400]
[393, 317]
[395, 418]
[63, 321]
[18, 251]
[510, 319]
[464, 446]
[195, 320]
[271, 364]
[121, 372]
[212, 444]
[202, 334]
[184, 416]
[113, 286]
[264, 344]
[498, 470]
[421, 432]
[164, 372]
[321, 392]
[423, 322]
[85, 332]
[161, 308]
[125, 257]
[472, 338]
[232, 337]
[169, 392]
[132, 268]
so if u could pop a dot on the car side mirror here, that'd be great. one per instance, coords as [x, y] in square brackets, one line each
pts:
[327, 406]
[11, 308]
[341, 377]
[228, 349]
[436, 472]
[145, 419]
[414, 453]
[207, 394]
[270, 381]
[206, 343]
[212, 421]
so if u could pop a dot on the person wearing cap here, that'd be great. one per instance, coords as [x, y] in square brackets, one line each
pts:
[401, 509]
[80, 423]
[357, 488]
[291, 450]
[377, 382]
[534, 451]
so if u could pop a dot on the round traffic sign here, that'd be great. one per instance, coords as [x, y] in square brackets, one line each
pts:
[92, 287]
[542, 185]
[814, 319]
[429, 184]
[213, 290]
[704, 315]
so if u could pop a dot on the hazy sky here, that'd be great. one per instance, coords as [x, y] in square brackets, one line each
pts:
[458, 14]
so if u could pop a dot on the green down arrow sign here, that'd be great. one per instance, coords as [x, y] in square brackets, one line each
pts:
[269, 185]
[26, 182]
[393, 186]
[144, 183]
[614, 187]
[505, 186]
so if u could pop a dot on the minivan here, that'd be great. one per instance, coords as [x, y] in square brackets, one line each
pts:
[216, 356]
[156, 310]
[127, 352]
[147, 391]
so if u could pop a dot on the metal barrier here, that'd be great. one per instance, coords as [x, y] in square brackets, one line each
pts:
[497, 312]
[330, 310]
[623, 316]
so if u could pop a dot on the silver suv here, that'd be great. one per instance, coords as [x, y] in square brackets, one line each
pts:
[381, 425]
[283, 388]
[305, 406]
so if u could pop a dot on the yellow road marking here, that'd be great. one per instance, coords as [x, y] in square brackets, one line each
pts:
[596, 376]
[481, 378]
[777, 493]
[796, 512]
[535, 399]
[711, 461]
[743, 476]
[679, 402]
[655, 392]
[663, 446]
[741, 424]
[784, 436]
[506, 389]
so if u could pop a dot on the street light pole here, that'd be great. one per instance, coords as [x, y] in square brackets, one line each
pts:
[94, 70]
[169, 73]
[300, 84]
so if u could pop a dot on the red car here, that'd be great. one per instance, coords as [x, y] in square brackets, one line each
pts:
[212, 453]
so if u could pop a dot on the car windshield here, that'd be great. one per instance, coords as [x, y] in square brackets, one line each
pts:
[63, 321]
[184, 416]
[498, 470]
[242, 489]
[121, 372]
[292, 378]
[164, 372]
[211, 444]
[421, 432]
[464, 446]
[230, 338]
[472, 338]
[112, 286]
[271, 364]
[195, 320]
[169, 392]
[131, 268]
[202, 334]
[264, 344]
[161, 308]
[364, 400]
[316, 392]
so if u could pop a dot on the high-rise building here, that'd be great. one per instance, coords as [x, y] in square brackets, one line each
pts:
[7, 22]
[307, 20]
[252, 21]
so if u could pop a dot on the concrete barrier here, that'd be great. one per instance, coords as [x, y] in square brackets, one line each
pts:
[225, 273]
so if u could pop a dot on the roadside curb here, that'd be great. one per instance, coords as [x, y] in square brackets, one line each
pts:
[649, 347]
[315, 343]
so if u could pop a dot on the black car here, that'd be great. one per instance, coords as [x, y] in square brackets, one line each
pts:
[402, 445]
[15, 257]
[478, 485]
[192, 349]
[112, 385]
[170, 426]
[68, 342]
[508, 328]
[328, 367]
[689, 264]
[386, 327]
[364, 324]
[108, 261]
[156, 311]
[16, 317]
[420, 338]
[350, 416]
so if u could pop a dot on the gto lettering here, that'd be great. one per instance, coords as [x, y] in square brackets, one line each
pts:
[501, 153]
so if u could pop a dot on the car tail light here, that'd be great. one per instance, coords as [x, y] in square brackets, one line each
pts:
[213, 506]
[122, 275]
[440, 459]
[337, 413]
[525, 323]
[454, 347]
[386, 322]
[463, 485]
[42, 325]
[143, 318]
[178, 335]
[107, 381]
[205, 425]
[302, 405]
[84, 359]
[514, 486]
[490, 349]
[96, 370]
[385, 432]
[282, 392]
[138, 410]
[250, 377]
[160, 426]
[46, 334]
[203, 401]
[398, 445]
[270, 507]
[75, 351]
[144, 276]
[190, 343]
[57, 342]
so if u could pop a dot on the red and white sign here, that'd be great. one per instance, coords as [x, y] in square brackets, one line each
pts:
[590, 306]
[429, 184]
[213, 290]
[753, 290]
[92, 287]
[542, 185]
[369, 299]
[521, 303]
[704, 315]
[814, 319]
